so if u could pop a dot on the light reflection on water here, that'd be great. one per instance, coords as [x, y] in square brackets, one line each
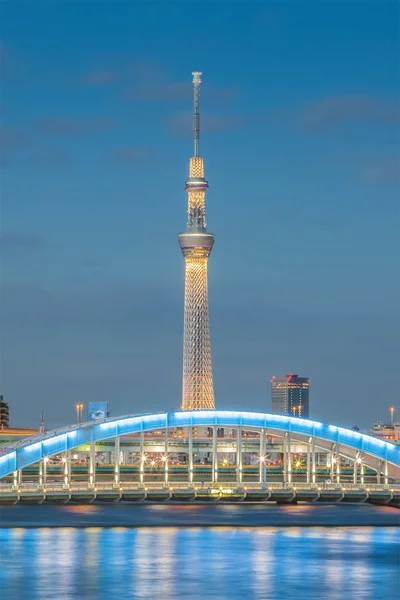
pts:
[176, 563]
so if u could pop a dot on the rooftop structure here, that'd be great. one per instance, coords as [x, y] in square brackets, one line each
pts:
[196, 245]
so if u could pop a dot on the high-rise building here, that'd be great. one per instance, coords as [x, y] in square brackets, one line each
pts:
[196, 245]
[4, 413]
[290, 395]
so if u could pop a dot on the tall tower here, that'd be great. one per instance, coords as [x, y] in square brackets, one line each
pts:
[196, 245]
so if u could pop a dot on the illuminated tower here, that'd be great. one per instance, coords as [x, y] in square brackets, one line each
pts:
[196, 245]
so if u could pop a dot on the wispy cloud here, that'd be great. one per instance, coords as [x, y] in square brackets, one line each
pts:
[333, 111]
[12, 142]
[51, 157]
[100, 78]
[382, 171]
[72, 127]
[13, 139]
[132, 155]
[15, 242]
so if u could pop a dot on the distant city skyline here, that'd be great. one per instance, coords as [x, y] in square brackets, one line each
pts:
[301, 144]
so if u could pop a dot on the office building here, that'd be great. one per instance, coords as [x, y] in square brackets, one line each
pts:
[4, 413]
[290, 395]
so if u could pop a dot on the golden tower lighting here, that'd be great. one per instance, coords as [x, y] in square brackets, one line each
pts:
[196, 245]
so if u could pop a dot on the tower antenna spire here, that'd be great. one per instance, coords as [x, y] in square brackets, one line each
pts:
[196, 245]
[196, 114]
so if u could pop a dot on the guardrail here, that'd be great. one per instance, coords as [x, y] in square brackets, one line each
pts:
[105, 486]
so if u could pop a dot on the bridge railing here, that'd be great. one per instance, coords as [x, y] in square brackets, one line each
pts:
[31, 487]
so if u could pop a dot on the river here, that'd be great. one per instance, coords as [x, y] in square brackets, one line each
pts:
[236, 551]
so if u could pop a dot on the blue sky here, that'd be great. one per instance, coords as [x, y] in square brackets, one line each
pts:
[300, 135]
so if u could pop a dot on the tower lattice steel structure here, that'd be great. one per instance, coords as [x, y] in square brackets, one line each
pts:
[196, 245]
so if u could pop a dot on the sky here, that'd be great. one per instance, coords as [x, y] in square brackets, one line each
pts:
[300, 133]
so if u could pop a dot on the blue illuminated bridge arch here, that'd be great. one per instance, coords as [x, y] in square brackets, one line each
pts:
[26, 452]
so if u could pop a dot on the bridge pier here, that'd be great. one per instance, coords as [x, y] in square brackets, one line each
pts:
[92, 465]
[288, 454]
[42, 474]
[66, 460]
[239, 458]
[17, 479]
[142, 459]
[214, 454]
[165, 458]
[190, 439]
[355, 466]
[117, 450]
[337, 464]
[313, 463]
[308, 460]
[263, 469]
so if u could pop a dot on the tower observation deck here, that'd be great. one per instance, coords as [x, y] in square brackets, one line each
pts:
[196, 245]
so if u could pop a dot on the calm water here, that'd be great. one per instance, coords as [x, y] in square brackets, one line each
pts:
[82, 562]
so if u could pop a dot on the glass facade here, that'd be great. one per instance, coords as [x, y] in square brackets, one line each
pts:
[290, 395]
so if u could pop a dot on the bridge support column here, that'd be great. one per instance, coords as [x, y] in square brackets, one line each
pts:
[215, 454]
[190, 458]
[117, 451]
[308, 461]
[386, 472]
[66, 459]
[142, 459]
[355, 465]
[165, 458]
[263, 467]
[92, 465]
[289, 458]
[313, 463]
[239, 459]
[44, 471]
[285, 463]
[333, 460]
[17, 479]
[362, 478]
[41, 466]
[337, 465]
[378, 472]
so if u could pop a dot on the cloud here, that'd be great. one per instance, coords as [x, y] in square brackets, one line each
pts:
[12, 142]
[91, 263]
[51, 157]
[100, 78]
[13, 139]
[132, 155]
[72, 127]
[14, 242]
[336, 110]
[382, 171]
[182, 123]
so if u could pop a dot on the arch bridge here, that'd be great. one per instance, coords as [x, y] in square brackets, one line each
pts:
[232, 433]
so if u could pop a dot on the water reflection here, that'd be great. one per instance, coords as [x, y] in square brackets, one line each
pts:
[177, 563]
